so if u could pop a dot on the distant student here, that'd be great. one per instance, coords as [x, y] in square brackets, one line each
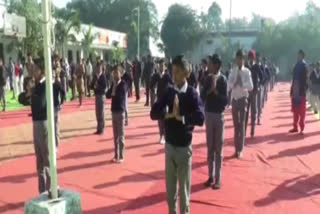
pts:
[215, 97]
[117, 93]
[240, 82]
[2, 86]
[185, 110]
[162, 82]
[298, 93]
[256, 75]
[315, 88]
[100, 87]
[127, 78]
[59, 96]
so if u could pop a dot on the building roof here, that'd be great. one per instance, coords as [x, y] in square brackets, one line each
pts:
[237, 33]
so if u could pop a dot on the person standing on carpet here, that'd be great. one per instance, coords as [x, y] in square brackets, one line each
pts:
[147, 72]
[240, 82]
[2, 86]
[298, 93]
[215, 97]
[256, 76]
[59, 97]
[261, 91]
[315, 88]
[100, 87]
[163, 81]
[127, 78]
[185, 110]
[117, 93]
[137, 69]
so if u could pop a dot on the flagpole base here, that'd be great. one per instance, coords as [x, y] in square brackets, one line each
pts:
[68, 203]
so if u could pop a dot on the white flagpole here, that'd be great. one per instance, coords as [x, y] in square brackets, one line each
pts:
[49, 95]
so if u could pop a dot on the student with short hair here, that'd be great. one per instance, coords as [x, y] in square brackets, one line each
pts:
[298, 93]
[117, 94]
[215, 97]
[185, 110]
[100, 87]
[240, 84]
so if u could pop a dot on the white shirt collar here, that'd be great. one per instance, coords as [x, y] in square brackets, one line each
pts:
[183, 89]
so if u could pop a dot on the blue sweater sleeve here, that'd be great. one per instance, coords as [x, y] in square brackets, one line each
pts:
[196, 117]
[158, 110]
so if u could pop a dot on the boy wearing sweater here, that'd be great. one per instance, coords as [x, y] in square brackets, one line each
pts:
[117, 93]
[185, 110]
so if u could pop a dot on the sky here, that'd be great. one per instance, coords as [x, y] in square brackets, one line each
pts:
[279, 10]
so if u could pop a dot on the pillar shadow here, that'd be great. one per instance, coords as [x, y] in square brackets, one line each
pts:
[296, 151]
[291, 190]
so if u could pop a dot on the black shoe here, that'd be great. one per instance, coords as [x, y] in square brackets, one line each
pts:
[208, 182]
[147, 104]
[293, 131]
[216, 186]
[98, 133]
[316, 112]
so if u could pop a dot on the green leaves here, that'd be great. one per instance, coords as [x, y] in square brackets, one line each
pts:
[181, 30]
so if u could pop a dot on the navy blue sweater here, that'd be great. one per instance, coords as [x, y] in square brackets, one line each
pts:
[118, 102]
[191, 108]
[101, 85]
[215, 103]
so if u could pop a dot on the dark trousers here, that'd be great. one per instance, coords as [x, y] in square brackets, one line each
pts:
[153, 97]
[100, 102]
[147, 83]
[137, 87]
[40, 139]
[87, 83]
[215, 139]
[118, 120]
[239, 110]
[161, 127]
[252, 108]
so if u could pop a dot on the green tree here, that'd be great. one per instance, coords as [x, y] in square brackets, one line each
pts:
[214, 17]
[88, 38]
[66, 22]
[30, 9]
[280, 42]
[181, 30]
[121, 15]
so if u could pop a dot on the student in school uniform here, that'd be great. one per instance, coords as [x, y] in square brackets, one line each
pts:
[215, 97]
[298, 93]
[240, 82]
[256, 75]
[100, 87]
[59, 96]
[185, 110]
[35, 96]
[315, 88]
[117, 94]
[127, 78]
[161, 84]
[192, 79]
[2, 86]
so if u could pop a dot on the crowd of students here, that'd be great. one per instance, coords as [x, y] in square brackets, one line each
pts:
[181, 96]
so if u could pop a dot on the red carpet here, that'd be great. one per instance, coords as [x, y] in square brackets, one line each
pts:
[279, 174]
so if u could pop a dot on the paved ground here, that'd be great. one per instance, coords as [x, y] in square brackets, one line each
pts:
[278, 174]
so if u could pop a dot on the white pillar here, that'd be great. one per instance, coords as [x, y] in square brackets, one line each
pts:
[46, 10]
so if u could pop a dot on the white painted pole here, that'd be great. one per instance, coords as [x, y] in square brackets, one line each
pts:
[46, 29]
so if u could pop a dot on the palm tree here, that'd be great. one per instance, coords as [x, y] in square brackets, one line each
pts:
[66, 21]
[88, 38]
